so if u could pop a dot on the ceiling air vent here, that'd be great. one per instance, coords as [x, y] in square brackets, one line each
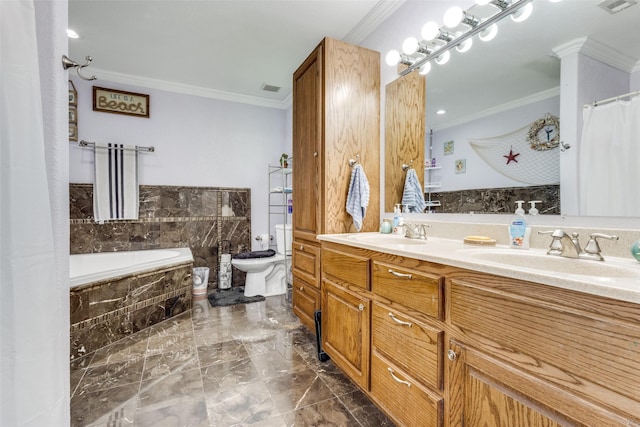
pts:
[270, 88]
[615, 6]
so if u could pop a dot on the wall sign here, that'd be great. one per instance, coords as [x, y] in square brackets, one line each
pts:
[120, 102]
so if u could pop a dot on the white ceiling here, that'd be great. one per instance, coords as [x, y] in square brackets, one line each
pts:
[220, 48]
[229, 49]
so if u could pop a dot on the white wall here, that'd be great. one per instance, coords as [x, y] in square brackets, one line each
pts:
[199, 142]
[479, 174]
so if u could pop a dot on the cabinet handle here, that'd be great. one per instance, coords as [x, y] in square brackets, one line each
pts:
[452, 355]
[395, 273]
[315, 154]
[398, 321]
[361, 307]
[302, 288]
[407, 383]
[301, 247]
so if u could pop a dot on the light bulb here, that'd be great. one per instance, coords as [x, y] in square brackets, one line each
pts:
[489, 33]
[523, 13]
[482, 2]
[465, 45]
[425, 68]
[392, 58]
[410, 45]
[443, 58]
[430, 31]
[453, 17]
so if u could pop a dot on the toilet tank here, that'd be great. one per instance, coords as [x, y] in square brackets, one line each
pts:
[283, 238]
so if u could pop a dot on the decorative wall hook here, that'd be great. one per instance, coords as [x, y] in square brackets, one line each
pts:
[69, 63]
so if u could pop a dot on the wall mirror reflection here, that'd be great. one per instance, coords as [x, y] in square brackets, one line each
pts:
[494, 106]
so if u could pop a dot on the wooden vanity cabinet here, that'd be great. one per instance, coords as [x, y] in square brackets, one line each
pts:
[329, 129]
[434, 345]
[306, 281]
[524, 354]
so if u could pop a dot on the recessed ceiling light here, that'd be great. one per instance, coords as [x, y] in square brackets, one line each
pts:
[72, 34]
[441, 112]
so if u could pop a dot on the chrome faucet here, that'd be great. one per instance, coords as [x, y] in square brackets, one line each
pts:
[569, 246]
[416, 231]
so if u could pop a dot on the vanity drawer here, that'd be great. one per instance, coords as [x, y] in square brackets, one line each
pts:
[409, 343]
[306, 262]
[305, 301]
[345, 266]
[403, 398]
[413, 289]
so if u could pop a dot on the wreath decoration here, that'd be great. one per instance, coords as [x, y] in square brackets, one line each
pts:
[534, 130]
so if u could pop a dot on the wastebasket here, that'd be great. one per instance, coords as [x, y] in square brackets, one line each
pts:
[200, 278]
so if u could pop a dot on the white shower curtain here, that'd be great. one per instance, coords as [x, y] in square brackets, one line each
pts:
[610, 159]
[32, 392]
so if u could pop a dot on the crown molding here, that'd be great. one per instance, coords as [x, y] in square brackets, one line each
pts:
[184, 89]
[378, 14]
[599, 51]
[536, 97]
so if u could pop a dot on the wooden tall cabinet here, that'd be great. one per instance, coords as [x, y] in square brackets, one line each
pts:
[336, 117]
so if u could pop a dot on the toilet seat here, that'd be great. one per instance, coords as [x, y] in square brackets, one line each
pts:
[257, 261]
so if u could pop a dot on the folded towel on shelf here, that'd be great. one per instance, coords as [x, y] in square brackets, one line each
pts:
[413, 195]
[115, 191]
[358, 196]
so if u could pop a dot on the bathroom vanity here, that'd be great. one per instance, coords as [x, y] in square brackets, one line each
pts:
[438, 333]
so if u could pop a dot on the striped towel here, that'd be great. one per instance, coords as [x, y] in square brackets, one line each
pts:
[115, 192]
[413, 196]
[358, 196]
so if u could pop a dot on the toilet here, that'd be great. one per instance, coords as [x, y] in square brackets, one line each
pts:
[266, 269]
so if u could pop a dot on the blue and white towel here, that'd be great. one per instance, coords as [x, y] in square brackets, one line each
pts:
[115, 191]
[358, 196]
[413, 195]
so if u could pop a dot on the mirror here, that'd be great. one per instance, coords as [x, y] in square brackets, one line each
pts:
[486, 89]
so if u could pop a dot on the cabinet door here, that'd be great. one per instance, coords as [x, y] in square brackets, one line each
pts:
[307, 145]
[487, 392]
[345, 330]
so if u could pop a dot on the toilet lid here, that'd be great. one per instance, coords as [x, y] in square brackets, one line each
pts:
[255, 254]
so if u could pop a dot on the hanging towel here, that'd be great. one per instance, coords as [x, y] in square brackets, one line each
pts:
[413, 195]
[358, 196]
[115, 192]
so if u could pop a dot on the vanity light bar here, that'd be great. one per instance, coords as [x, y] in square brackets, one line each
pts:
[470, 33]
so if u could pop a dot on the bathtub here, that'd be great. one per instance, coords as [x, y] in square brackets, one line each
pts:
[116, 294]
[89, 268]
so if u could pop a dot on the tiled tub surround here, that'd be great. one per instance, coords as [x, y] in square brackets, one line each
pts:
[498, 200]
[106, 311]
[199, 218]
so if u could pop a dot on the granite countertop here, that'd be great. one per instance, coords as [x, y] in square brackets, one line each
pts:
[616, 278]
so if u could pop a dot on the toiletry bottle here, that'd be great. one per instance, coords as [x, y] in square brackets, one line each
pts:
[518, 231]
[533, 210]
[398, 221]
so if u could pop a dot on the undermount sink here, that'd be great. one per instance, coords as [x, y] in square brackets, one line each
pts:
[385, 239]
[540, 261]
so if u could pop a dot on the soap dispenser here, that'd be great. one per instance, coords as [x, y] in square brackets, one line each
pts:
[518, 231]
[533, 210]
[398, 221]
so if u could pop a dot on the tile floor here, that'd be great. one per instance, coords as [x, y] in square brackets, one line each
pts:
[250, 364]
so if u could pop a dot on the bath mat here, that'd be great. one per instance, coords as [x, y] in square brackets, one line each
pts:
[233, 296]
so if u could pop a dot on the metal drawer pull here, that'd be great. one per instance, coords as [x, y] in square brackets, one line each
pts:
[398, 321]
[361, 307]
[407, 383]
[302, 288]
[395, 273]
[452, 355]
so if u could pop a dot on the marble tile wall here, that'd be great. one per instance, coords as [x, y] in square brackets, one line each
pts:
[201, 218]
[107, 311]
[499, 200]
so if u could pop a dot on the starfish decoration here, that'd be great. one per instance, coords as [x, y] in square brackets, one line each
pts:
[511, 157]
